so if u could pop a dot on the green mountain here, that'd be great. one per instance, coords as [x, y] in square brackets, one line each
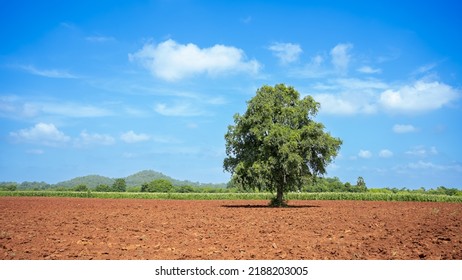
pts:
[91, 181]
[136, 179]
[145, 176]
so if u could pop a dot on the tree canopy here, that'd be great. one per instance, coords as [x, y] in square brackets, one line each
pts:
[276, 145]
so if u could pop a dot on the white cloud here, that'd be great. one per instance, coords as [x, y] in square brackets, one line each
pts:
[313, 69]
[422, 151]
[365, 85]
[87, 139]
[177, 110]
[99, 39]
[35, 152]
[17, 107]
[49, 73]
[404, 128]
[369, 70]
[132, 137]
[419, 97]
[335, 105]
[426, 165]
[340, 57]
[286, 52]
[353, 95]
[172, 61]
[42, 133]
[385, 153]
[425, 68]
[364, 154]
[246, 20]
[72, 110]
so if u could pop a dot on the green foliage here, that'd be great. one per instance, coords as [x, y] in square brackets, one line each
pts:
[8, 186]
[184, 189]
[33, 186]
[371, 196]
[276, 145]
[158, 185]
[134, 189]
[81, 188]
[91, 181]
[102, 188]
[333, 185]
[119, 185]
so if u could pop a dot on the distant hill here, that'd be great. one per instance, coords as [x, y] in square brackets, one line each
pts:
[145, 176]
[136, 179]
[91, 181]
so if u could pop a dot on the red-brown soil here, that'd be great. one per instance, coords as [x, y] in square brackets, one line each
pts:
[75, 228]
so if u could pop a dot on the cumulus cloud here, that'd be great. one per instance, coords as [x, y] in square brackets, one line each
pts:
[286, 52]
[385, 153]
[336, 105]
[340, 57]
[404, 128]
[364, 154]
[419, 97]
[172, 61]
[43, 134]
[132, 137]
[354, 95]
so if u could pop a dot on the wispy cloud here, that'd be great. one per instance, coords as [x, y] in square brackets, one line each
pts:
[49, 73]
[422, 151]
[132, 137]
[364, 154]
[426, 165]
[182, 109]
[19, 107]
[404, 128]
[172, 61]
[424, 69]
[369, 70]
[99, 39]
[385, 153]
[340, 57]
[286, 52]
[246, 20]
[87, 139]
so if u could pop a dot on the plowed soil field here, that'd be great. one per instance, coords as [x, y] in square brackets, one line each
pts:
[76, 228]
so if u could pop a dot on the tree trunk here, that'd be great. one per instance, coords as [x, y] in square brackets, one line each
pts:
[280, 191]
[280, 196]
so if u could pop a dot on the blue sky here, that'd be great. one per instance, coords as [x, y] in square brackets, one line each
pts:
[115, 87]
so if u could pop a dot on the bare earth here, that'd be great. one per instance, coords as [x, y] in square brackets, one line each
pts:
[74, 228]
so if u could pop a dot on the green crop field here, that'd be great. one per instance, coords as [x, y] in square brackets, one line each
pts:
[244, 196]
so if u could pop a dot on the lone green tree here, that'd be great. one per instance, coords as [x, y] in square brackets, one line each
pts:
[276, 145]
[119, 185]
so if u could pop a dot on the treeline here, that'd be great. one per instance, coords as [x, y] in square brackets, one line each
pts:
[119, 185]
[162, 185]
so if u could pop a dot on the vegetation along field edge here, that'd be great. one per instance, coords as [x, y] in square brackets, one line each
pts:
[366, 196]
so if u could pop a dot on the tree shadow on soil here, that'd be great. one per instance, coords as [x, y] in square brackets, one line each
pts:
[267, 206]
